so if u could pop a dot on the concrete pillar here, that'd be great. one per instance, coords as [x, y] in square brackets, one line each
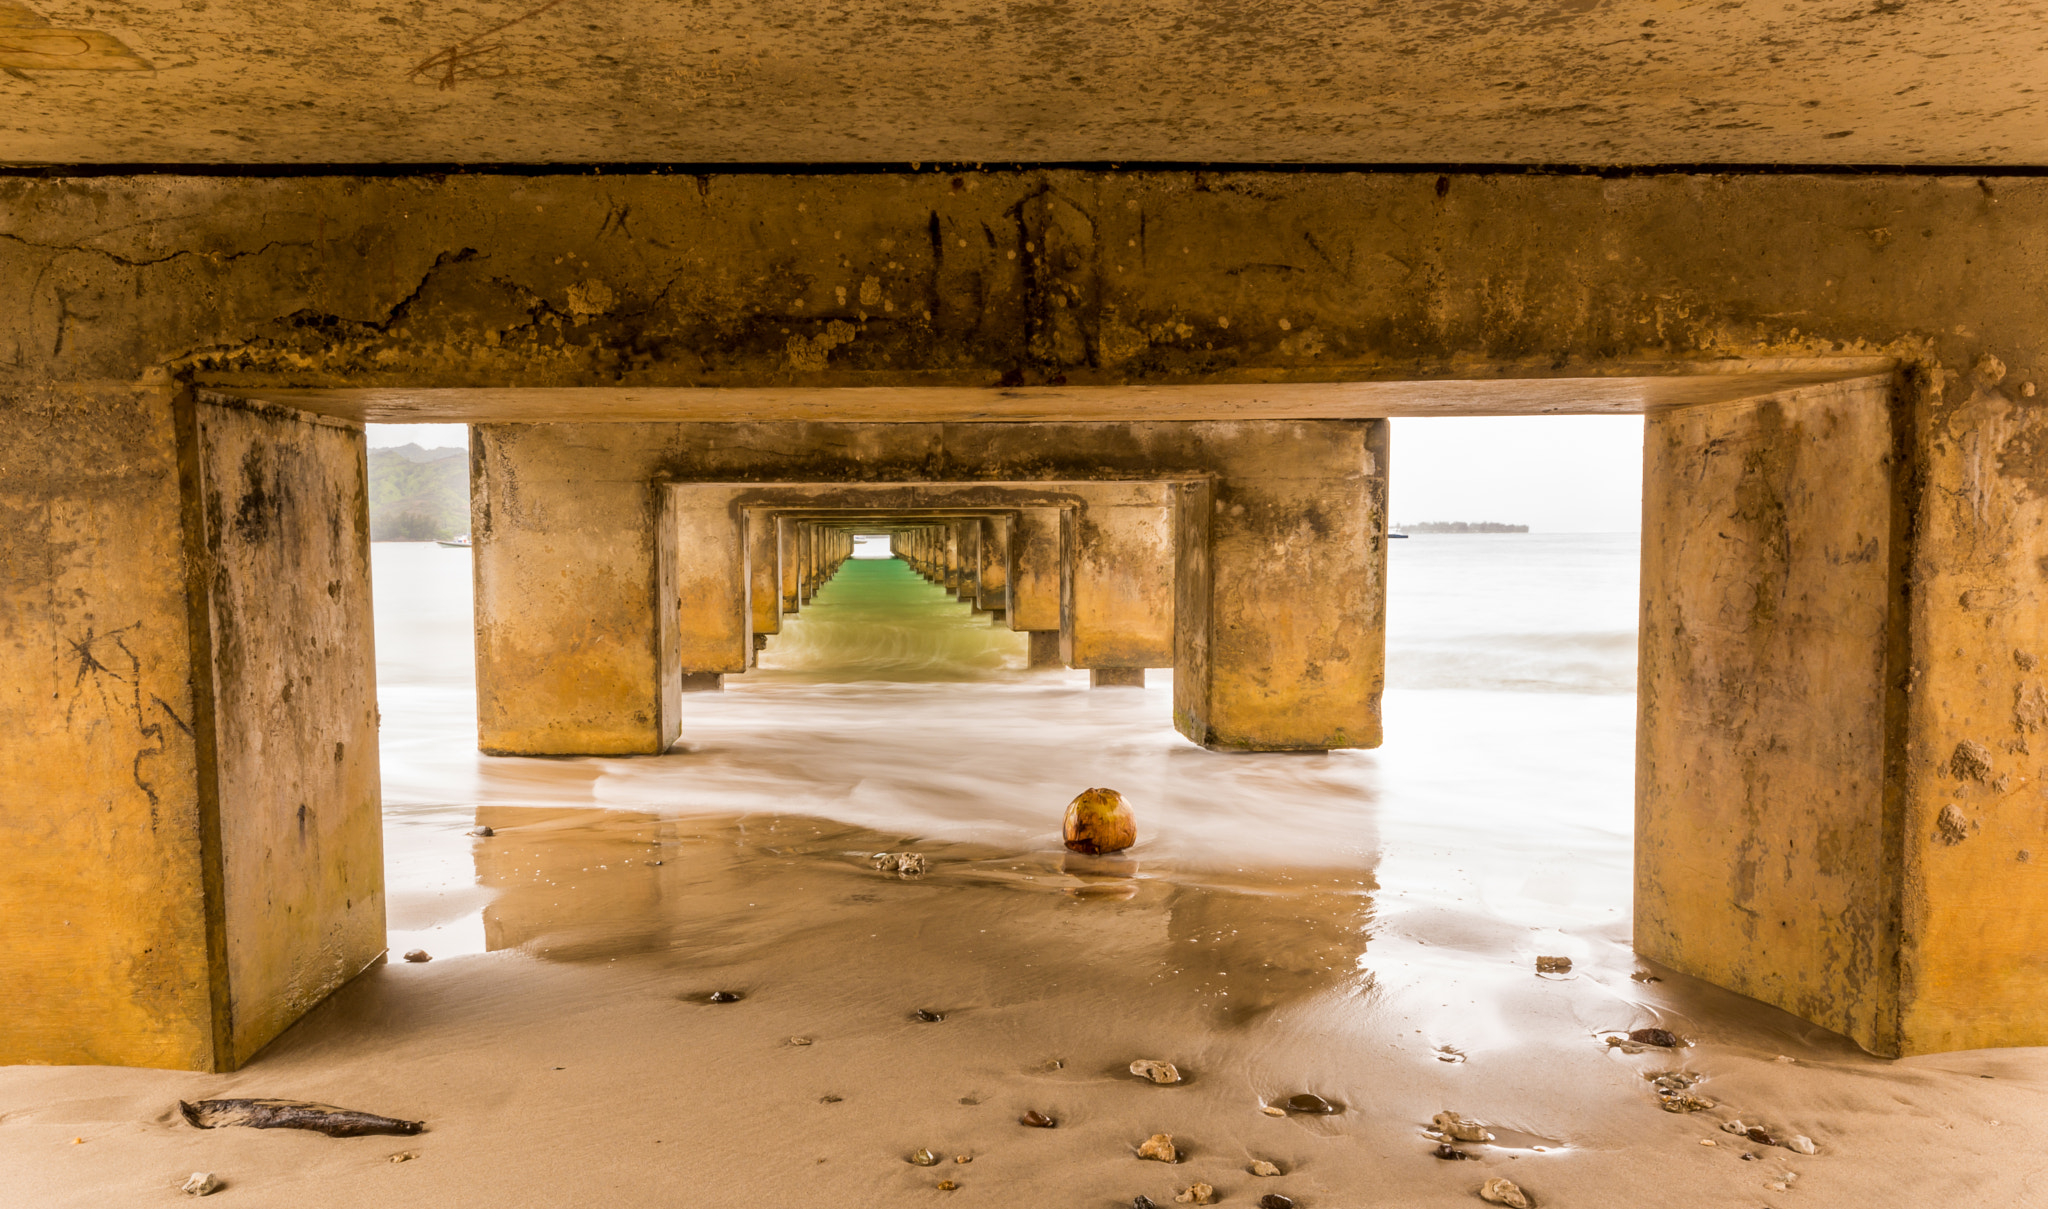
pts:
[568, 592]
[715, 632]
[1837, 809]
[764, 569]
[786, 543]
[187, 686]
[950, 575]
[1116, 595]
[992, 574]
[1281, 589]
[1032, 589]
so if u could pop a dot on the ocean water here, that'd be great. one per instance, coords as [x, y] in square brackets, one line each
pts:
[1497, 813]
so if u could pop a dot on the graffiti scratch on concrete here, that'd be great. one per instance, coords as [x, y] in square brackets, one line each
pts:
[28, 42]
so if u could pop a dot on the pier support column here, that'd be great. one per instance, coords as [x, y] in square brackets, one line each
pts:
[1033, 587]
[568, 593]
[1116, 592]
[1837, 802]
[1280, 592]
[187, 686]
[992, 575]
[764, 570]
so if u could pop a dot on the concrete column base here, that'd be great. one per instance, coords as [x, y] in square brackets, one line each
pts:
[703, 682]
[1116, 677]
[1044, 650]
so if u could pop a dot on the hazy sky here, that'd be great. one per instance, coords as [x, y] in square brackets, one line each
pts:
[1555, 474]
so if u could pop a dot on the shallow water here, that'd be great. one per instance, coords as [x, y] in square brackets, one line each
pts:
[1361, 925]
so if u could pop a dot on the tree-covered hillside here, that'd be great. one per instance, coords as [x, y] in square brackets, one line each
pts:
[418, 495]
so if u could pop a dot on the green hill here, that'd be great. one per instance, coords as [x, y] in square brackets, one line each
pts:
[418, 495]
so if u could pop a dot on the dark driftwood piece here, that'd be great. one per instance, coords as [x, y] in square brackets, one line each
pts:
[294, 1114]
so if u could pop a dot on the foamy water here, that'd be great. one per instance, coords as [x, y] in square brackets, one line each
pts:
[1503, 790]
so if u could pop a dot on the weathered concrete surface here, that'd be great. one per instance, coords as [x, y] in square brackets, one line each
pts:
[992, 576]
[764, 570]
[116, 951]
[1116, 587]
[1285, 574]
[165, 802]
[1837, 809]
[1838, 81]
[271, 285]
[1766, 850]
[1034, 586]
[554, 670]
[286, 503]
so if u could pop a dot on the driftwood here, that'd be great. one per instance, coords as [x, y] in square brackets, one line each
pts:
[294, 1114]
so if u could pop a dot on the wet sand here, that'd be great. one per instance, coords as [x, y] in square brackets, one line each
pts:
[1360, 925]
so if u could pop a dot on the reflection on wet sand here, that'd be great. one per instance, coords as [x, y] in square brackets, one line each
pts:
[590, 884]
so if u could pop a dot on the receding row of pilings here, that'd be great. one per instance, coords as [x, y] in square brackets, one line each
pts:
[1006, 565]
[1836, 709]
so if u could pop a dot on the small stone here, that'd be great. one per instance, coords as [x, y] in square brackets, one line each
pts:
[1143, 1202]
[725, 997]
[403, 1156]
[1159, 1146]
[1751, 1157]
[1197, 1194]
[1788, 1060]
[1735, 1126]
[1037, 1120]
[1309, 1102]
[1272, 1110]
[1158, 1072]
[1273, 1200]
[482, 833]
[963, 1158]
[828, 1098]
[1553, 965]
[1498, 1191]
[947, 1185]
[799, 1040]
[1444, 1150]
[929, 1016]
[1801, 1143]
[1262, 1167]
[1760, 1135]
[201, 1183]
[1708, 1142]
[1460, 1128]
[905, 865]
[925, 1158]
[418, 955]
[1663, 1038]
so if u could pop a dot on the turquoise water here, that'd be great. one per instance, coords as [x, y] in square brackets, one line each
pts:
[879, 620]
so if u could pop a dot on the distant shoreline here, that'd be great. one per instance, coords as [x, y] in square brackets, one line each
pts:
[1462, 527]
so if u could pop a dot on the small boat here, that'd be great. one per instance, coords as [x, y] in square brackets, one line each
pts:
[1389, 535]
[456, 543]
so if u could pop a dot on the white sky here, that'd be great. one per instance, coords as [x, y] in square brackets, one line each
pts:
[1555, 474]
[426, 436]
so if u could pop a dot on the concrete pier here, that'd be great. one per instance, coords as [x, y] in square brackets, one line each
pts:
[191, 773]
[1844, 522]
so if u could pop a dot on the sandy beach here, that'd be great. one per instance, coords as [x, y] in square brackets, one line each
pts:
[1363, 926]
